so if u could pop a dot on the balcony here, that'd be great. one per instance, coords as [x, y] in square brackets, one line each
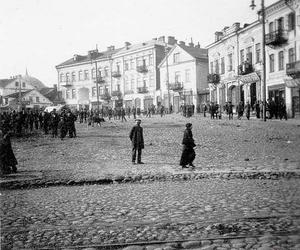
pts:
[116, 74]
[116, 93]
[142, 69]
[213, 78]
[245, 68]
[142, 90]
[106, 96]
[100, 80]
[128, 92]
[177, 86]
[66, 84]
[276, 38]
[293, 69]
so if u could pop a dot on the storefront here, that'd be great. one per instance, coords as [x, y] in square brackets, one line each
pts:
[250, 88]
[294, 85]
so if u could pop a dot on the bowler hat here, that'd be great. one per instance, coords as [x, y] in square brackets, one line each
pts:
[188, 125]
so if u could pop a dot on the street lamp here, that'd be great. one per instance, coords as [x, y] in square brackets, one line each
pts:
[264, 88]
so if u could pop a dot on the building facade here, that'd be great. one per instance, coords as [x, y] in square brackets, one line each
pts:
[125, 77]
[183, 74]
[235, 60]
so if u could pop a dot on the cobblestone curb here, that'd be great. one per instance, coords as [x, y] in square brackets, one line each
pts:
[142, 178]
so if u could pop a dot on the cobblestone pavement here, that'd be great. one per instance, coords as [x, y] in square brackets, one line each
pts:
[101, 153]
[203, 214]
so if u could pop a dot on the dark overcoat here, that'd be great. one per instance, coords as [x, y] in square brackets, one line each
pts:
[136, 137]
[188, 152]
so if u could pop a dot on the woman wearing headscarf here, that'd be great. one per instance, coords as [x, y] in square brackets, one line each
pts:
[188, 153]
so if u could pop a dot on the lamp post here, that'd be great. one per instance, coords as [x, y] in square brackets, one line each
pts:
[264, 87]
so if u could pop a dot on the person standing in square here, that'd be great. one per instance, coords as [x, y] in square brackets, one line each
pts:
[137, 141]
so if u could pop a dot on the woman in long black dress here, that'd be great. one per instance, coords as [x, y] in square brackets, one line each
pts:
[188, 153]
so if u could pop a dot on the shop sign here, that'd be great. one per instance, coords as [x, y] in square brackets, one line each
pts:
[250, 78]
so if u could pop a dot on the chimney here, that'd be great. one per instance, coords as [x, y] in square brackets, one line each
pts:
[218, 35]
[127, 44]
[236, 26]
[161, 39]
[111, 48]
[171, 40]
[191, 44]
[224, 29]
[182, 43]
[198, 46]
[55, 87]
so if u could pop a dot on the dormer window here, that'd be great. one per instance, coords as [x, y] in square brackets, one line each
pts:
[176, 58]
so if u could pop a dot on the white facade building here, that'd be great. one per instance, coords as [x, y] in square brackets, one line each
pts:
[183, 74]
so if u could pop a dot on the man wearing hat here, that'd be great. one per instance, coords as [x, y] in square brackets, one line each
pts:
[188, 152]
[137, 141]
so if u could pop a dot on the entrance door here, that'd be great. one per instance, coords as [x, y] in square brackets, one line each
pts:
[242, 94]
[176, 103]
[252, 94]
[137, 103]
[148, 103]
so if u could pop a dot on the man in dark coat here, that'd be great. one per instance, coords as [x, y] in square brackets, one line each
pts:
[188, 152]
[137, 141]
[7, 156]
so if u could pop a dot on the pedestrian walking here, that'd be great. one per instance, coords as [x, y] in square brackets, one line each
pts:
[137, 141]
[247, 110]
[8, 160]
[62, 128]
[188, 153]
[123, 115]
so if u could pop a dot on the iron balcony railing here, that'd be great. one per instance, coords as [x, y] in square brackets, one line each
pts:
[116, 93]
[276, 38]
[177, 86]
[142, 90]
[293, 69]
[142, 69]
[116, 74]
[245, 68]
[213, 78]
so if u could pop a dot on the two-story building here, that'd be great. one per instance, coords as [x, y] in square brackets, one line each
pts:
[183, 74]
[235, 59]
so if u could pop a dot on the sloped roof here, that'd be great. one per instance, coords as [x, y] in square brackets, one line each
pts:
[16, 95]
[139, 46]
[5, 82]
[51, 94]
[33, 81]
[195, 52]
[86, 58]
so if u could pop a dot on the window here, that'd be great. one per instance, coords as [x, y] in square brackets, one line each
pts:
[94, 91]
[30, 98]
[291, 21]
[271, 27]
[177, 77]
[23, 84]
[126, 65]
[118, 67]
[271, 58]
[68, 77]
[61, 77]
[73, 93]
[139, 62]
[280, 23]
[257, 52]
[106, 71]
[249, 55]
[73, 77]
[217, 66]
[127, 84]
[132, 83]
[86, 75]
[101, 90]
[280, 61]
[291, 55]
[211, 67]
[93, 73]
[37, 99]
[230, 62]
[17, 84]
[139, 82]
[242, 56]
[187, 75]
[176, 58]
[131, 64]
[222, 65]
[151, 60]
[68, 94]
[80, 76]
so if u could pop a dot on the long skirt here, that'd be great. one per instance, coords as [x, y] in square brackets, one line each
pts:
[188, 156]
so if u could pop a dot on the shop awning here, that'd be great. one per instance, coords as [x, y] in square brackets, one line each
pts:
[292, 83]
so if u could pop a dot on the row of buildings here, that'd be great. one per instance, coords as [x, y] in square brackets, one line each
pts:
[164, 71]
[140, 75]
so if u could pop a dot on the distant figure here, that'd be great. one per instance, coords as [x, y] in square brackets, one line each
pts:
[8, 160]
[247, 110]
[188, 153]
[137, 141]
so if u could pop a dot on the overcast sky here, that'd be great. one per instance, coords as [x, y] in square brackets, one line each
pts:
[39, 34]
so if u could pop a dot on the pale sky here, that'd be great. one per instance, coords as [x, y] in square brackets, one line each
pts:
[40, 34]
